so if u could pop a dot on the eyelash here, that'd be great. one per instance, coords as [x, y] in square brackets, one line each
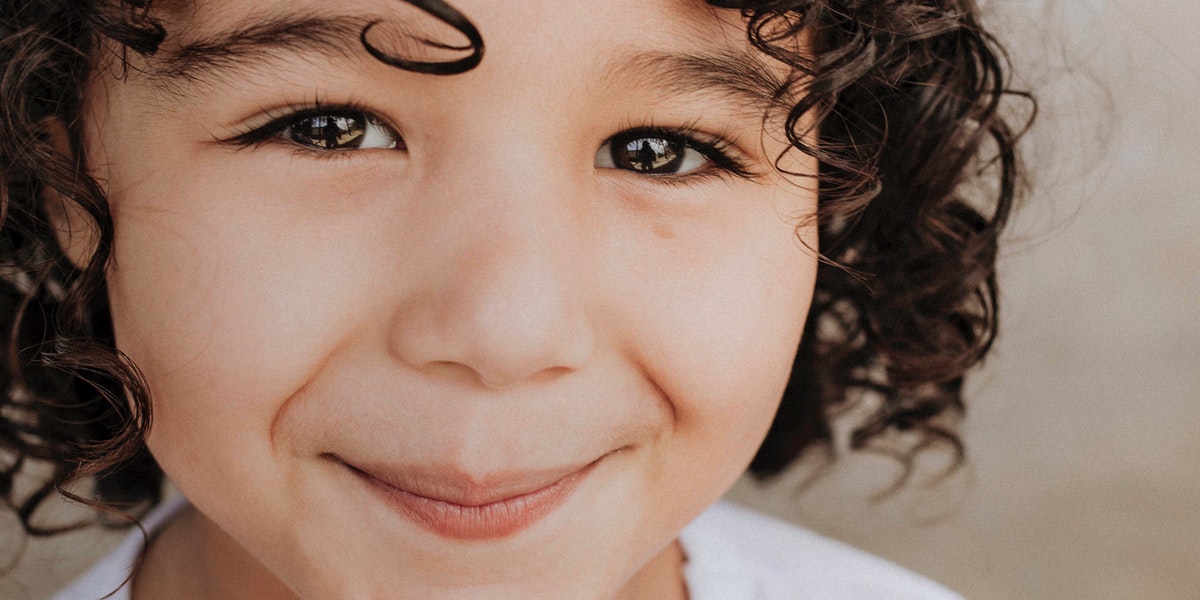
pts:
[727, 160]
[287, 116]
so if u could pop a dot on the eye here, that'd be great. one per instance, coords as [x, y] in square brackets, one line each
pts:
[674, 154]
[337, 130]
[322, 129]
[652, 153]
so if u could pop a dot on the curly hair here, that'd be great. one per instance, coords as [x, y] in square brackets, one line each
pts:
[918, 173]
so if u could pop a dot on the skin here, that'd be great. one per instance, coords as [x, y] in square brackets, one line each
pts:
[487, 300]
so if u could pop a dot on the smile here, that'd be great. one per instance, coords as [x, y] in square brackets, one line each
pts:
[457, 507]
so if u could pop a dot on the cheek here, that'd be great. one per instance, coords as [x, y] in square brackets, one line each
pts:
[191, 319]
[226, 318]
[716, 319]
[741, 341]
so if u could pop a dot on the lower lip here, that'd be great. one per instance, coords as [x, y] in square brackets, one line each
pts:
[493, 520]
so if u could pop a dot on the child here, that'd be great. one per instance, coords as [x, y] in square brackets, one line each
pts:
[489, 299]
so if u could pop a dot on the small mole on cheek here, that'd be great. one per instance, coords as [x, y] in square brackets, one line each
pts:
[663, 231]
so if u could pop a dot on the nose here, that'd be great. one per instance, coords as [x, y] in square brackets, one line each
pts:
[502, 295]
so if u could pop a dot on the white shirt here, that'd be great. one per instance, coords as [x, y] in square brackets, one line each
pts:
[736, 554]
[732, 554]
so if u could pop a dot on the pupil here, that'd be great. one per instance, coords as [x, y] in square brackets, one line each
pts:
[650, 154]
[330, 132]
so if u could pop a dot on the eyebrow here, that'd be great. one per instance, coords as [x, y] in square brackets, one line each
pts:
[738, 76]
[200, 61]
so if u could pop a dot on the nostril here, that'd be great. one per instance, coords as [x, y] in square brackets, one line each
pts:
[508, 359]
[543, 376]
[498, 342]
[497, 371]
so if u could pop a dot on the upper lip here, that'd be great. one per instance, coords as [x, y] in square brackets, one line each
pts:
[457, 486]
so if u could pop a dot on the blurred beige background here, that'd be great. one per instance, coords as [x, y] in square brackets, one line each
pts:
[1084, 427]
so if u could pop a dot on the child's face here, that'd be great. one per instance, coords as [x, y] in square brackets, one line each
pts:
[478, 301]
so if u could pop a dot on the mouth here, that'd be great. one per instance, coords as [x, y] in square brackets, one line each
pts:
[451, 505]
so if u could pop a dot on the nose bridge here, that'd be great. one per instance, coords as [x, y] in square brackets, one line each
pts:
[501, 299]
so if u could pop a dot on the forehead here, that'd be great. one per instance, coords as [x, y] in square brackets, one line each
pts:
[504, 23]
[680, 45]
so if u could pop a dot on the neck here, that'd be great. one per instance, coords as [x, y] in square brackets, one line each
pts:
[193, 559]
[660, 579]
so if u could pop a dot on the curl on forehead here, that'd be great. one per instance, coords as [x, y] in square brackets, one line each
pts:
[399, 42]
[424, 36]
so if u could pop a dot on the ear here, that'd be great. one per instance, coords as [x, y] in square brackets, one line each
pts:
[74, 229]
